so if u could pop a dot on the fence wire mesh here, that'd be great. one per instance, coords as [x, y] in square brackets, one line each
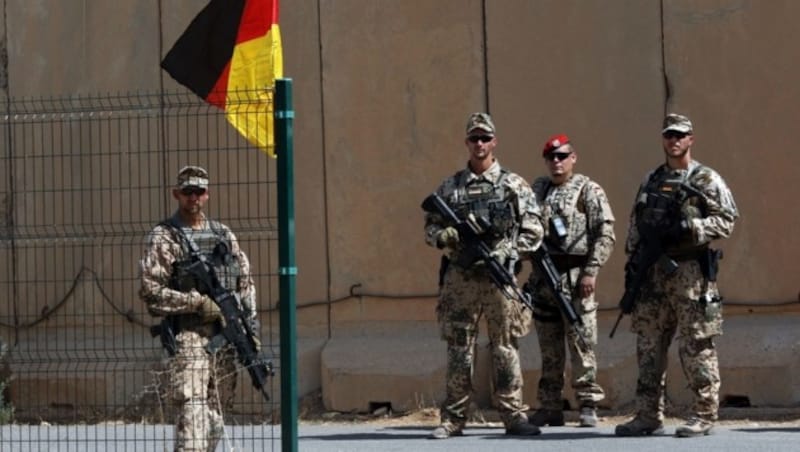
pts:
[84, 180]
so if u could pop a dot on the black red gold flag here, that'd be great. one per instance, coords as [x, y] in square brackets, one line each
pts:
[230, 55]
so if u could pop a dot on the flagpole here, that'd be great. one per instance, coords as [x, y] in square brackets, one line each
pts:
[284, 143]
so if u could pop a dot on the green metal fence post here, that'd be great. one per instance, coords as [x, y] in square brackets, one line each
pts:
[284, 142]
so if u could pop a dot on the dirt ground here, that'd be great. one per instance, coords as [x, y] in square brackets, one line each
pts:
[312, 411]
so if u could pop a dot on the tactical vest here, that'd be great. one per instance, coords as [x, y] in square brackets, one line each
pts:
[492, 202]
[564, 214]
[212, 243]
[663, 202]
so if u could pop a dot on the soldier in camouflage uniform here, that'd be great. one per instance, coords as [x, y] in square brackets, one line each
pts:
[579, 236]
[483, 189]
[685, 205]
[202, 384]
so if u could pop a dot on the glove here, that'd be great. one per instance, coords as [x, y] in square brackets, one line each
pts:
[448, 237]
[209, 310]
[505, 257]
[501, 255]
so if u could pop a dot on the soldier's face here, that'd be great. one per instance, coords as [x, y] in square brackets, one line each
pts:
[676, 144]
[191, 199]
[480, 144]
[560, 161]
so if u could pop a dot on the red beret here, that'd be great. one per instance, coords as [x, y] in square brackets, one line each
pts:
[555, 142]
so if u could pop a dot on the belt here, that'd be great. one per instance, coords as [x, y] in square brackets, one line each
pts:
[566, 262]
[193, 322]
[687, 255]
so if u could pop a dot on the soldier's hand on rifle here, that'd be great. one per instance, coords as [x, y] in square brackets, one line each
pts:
[209, 310]
[447, 237]
[502, 255]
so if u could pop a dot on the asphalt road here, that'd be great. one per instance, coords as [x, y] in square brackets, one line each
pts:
[746, 436]
[355, 438]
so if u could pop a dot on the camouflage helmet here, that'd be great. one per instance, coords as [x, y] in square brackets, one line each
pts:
[192, 176]
[676, 122]
[481, 121]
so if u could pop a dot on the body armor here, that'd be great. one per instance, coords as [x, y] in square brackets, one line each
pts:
[664, 203]
[564, 216]
[212, 244]
[488, 201]
[492, 207]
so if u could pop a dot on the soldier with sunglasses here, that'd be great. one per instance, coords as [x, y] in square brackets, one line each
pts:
[680, 208]
[202, 383]
[503, 208]
[579, 235]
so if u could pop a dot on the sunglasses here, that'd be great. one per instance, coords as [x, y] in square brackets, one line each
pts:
[481, 138]
[670, 134]
[189, 191]
[556, 156]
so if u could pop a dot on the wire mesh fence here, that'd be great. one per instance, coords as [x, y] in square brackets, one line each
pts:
[84, 181]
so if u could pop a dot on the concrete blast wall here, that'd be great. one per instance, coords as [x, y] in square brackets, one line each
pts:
[382, 90]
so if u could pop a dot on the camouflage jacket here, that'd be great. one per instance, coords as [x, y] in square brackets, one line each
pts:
[584, 208]
[163, 248]
[716, 223]
[522, 237]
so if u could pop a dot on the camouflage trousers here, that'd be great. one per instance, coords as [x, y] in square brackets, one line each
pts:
[672, 303]
[202, 387]
[553, 334]
[465, 298]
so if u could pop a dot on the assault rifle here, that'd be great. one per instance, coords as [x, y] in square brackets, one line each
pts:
[237, 329]
[546, 268]
[469, 231]
[646, 254]
[652, 238]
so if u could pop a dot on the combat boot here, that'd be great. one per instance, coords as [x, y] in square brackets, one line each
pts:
[523, 429]
[588, 417]
[640, 426]
[446, 430]
[542, 417]
[695, 426]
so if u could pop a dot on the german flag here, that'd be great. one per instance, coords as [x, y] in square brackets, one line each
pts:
[230, 55]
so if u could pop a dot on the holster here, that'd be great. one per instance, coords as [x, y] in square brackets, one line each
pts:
[443, 264]
[167, 331]
[709, 263]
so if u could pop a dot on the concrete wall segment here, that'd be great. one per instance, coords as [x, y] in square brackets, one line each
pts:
[598, 80]
[399, 79]
[300, 23]
[382, 89]
[89, 47]
[732, 68]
